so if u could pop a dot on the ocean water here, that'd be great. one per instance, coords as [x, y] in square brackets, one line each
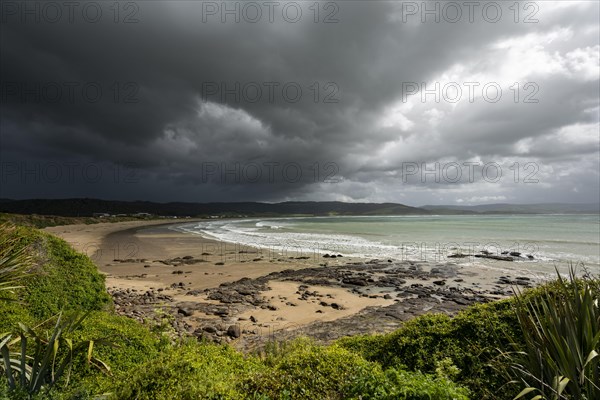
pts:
[552, 240]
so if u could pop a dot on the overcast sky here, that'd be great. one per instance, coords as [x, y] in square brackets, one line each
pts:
[362, 101]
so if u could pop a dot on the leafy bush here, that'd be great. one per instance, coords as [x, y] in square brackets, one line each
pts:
[560, 356]
[33, 363]
[304, 370]
[190, 371]
[470, 340]
[398, 384]
[60, 279]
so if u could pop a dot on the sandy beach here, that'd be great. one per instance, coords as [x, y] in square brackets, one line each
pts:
[227, 292]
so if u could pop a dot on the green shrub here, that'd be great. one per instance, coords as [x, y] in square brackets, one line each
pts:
[398, 384]
[470, 340]
[61, 280]
[560, 354]
[190, 371]
[303, 370]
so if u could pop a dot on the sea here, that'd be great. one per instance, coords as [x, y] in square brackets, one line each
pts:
[545, 242]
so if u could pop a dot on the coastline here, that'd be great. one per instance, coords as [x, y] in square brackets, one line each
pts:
[234, 293]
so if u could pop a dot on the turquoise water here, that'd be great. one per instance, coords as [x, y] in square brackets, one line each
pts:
[550, 239]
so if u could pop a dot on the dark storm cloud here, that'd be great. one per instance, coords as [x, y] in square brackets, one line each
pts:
[165, 119]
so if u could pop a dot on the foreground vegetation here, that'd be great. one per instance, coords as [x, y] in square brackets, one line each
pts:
[58, 327]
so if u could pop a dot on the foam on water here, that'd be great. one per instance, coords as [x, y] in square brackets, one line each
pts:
[558, 239]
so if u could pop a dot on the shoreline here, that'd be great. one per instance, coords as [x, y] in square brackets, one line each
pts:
[234, 293]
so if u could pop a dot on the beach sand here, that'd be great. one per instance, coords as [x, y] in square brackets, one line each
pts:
[149, 266]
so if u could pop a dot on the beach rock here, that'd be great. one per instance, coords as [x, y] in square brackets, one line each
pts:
[209, 329]
[185, 311]
[221, 312]
[458, 255]
[355, 281]
[499, 258]
[234, 331]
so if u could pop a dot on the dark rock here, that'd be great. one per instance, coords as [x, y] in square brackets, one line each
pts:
[355, 281]
[499, 258]
[253, 319]
[458, 255]
[439, 283]
[515, 254]
[219, 263]
[234, 331]
[185, 311]
[209, 329]
[221, 312]
[387, 297]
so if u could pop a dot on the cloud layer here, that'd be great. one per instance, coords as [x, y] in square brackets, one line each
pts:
[375, 105]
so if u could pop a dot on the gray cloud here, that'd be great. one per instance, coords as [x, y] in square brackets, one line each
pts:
[182, 138]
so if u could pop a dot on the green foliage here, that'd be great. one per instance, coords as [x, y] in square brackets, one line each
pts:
[304, 370]
[559, 357]
[191, 371]
[59, 278]
[469, 341]
[68, 281]
[33, 363]
[15, 262]
[397, 384]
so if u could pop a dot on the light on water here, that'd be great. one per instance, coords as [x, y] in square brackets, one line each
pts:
[548, 239]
